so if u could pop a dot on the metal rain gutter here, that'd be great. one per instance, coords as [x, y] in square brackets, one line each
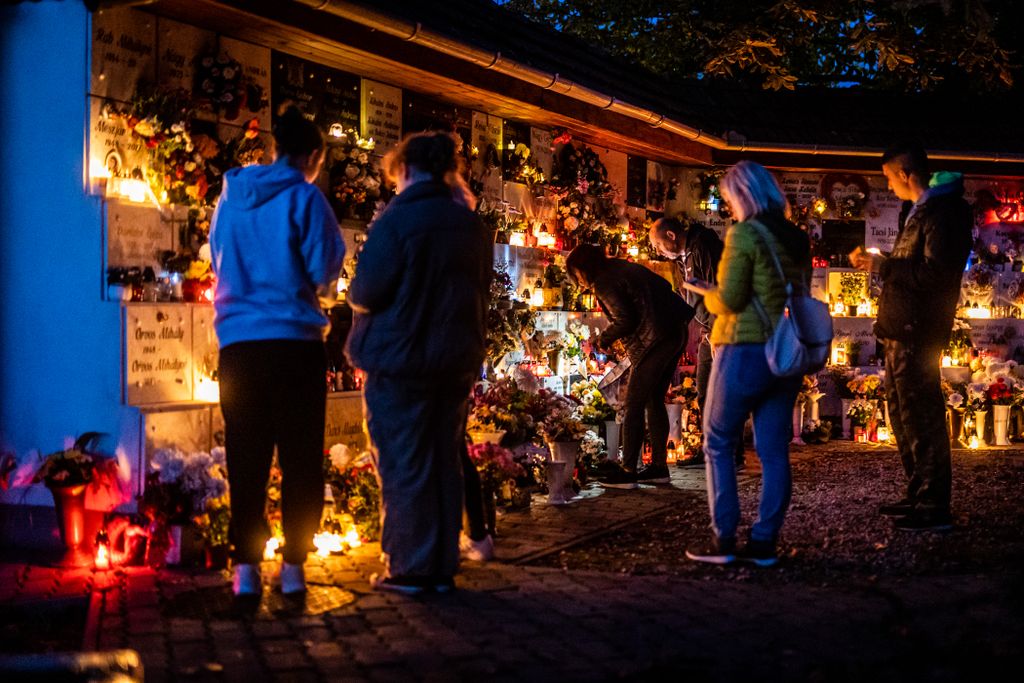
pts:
[415, 32]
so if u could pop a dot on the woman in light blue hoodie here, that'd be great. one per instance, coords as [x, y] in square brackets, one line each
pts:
[275, 245]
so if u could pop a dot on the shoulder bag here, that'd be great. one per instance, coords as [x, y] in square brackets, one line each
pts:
[799, 343]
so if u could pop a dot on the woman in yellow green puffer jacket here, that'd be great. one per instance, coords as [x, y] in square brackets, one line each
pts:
[741, 382]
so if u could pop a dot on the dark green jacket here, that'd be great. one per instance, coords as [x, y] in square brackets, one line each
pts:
[746, 269]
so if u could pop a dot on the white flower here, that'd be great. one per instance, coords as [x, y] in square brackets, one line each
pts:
[340, 456]
[219, 455]
[229, 73]
[955, 400]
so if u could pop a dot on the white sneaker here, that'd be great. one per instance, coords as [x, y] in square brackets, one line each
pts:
[293, 579]
[247, 580]
[480, 551]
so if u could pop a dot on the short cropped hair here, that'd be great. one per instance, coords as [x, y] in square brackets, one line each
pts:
[664, 225]
[911, 157]
[588, 259]
[751, 190]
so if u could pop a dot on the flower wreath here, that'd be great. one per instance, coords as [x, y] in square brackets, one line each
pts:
[180, 171]
[222, 84]
[355, 182]
[580, 169]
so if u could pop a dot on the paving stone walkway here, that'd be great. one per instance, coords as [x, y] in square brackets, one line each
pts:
[513, 622]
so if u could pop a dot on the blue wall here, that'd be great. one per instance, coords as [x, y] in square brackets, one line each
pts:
[59, 341]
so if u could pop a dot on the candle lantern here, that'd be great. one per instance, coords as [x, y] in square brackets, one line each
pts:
[101, 561]
[537, 299]
[883, 433]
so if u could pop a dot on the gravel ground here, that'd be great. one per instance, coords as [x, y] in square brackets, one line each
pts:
[832, 534]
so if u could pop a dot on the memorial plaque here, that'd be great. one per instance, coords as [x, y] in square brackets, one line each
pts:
[255, 61]
[540, 147]
[514, 134]
[294, 79]
[636, 182]
[616, 164]
[487, 138]
[657, 186]
[181, 46]
[205, 355]
[344, 422]
[421, 113]
[114, 152]
[341, 96]
[882, 216]
[123, 53]
[187, 429]
[381, 113]
[157, 353]
[842, 237]
[136, 235]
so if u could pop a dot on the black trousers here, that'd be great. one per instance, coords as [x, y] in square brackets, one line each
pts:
[475, 522]
[418, 430]
[918, 414]
[649, 378]
[273, 393]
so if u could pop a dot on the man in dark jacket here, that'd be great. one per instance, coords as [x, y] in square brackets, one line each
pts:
[920, 290]
[695, 250]
[651, 322]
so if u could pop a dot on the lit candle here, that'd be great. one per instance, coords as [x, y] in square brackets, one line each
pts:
[102, 559]
[517, 239]
[270, 549]
[883, 433]
[947, 361]
[974, 441]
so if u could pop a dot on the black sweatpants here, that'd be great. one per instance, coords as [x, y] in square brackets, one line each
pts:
[274, 393]
[649, 378]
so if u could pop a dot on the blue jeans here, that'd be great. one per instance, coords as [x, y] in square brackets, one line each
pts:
[741, 384]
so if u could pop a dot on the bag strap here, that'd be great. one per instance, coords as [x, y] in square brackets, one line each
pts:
[756, 300]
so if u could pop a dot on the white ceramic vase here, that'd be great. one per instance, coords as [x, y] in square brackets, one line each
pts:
[1000, 425]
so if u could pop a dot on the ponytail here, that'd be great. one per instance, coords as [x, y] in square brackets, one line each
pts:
[294, 134]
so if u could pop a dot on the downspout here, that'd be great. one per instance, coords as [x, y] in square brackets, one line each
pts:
[415, 32]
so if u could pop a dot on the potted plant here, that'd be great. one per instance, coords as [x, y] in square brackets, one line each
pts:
[1000, 395]
[562, 432]
[67, 473]
[860, 412]
[496, 466]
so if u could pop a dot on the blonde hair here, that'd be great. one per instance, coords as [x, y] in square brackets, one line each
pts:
[751, 189]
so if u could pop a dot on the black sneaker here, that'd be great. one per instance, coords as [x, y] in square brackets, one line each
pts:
[761, 553]
[925, 521]
[691, 462]
[900, 508]
[654, 474]
[405, 585]
[619, 479]
[717, 551]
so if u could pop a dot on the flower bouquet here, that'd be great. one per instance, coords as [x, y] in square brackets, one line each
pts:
[356, 489]
[860, 412]
[182, 490]
[866, 386]
[356, 183]
[67, 474]
[495, 464]
[593, 408]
